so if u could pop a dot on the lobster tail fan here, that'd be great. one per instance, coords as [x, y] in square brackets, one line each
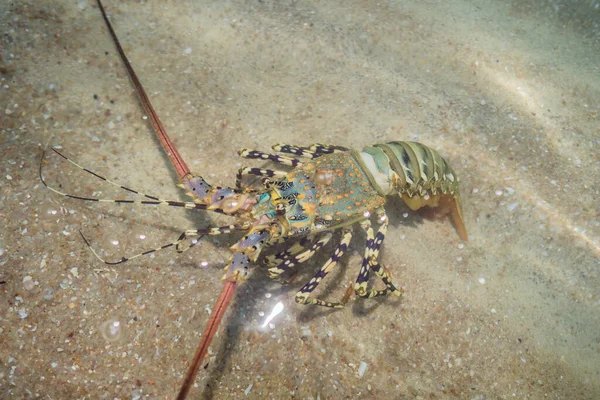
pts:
[455, 208]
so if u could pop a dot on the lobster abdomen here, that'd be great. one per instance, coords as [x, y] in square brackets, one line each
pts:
[418, 174]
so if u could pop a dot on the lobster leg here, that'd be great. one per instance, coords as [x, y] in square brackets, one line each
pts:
[291, 261]
[255, 154]
[312, 151]
[386, 277]
[269, 173]
[370, 262]
[276, 259]
[295, 150]
[326, 148]
[303, 296]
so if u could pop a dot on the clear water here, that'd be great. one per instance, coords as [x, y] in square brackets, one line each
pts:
[507, 92]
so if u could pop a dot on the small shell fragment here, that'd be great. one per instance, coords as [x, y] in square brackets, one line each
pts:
[362, 368]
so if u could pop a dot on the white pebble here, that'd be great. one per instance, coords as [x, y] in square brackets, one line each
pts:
[461, 246]
[188, 50]
[405, 215]
[28, 283]
[75, 272]
[482, 280]
[510, 191]
[8, 177]
[475, 190]
[499, 192]
[362, 368]
[512, 206]
[22, 314]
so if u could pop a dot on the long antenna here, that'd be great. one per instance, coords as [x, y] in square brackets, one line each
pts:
[182, 171]
[180, 165]
[211, 328]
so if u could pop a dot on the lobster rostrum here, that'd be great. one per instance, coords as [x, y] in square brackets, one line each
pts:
[333, 188]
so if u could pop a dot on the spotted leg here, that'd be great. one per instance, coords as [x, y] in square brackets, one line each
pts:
[370, 261]
[289, 260]
[303, 296]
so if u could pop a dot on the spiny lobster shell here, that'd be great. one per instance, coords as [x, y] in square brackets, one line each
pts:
[336, 190]
[331, 191]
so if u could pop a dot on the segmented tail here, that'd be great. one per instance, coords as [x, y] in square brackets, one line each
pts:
[418, 174]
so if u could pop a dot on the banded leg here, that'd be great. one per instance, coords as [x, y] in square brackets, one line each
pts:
[295, 150]
[312, 151]
[370, 261]
[303, 296]
[274, 260]
[177, 243]
[269, 173]
[326, 148]
[290, 260]
[255, 154]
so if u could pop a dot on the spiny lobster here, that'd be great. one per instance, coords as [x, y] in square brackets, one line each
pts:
[335, 188]
[328, 188]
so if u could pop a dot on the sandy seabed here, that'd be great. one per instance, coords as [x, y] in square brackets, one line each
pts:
[507, 91]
